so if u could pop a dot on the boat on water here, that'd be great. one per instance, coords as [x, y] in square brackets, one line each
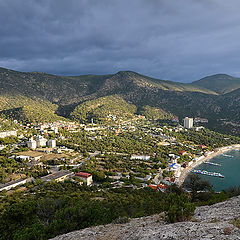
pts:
[226, 155]
[214, 164]
[204, 172]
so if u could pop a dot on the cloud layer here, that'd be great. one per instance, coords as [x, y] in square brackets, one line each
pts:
[178, 40]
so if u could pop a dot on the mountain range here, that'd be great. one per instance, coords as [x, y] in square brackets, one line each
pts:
[37, 96]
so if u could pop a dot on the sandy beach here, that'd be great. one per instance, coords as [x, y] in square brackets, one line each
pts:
[186, 170]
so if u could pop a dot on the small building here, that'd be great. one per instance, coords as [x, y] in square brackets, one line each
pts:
[175, 119]
[8, 134]
[23, 158]
[55, 129]
[174, 167]
[182, 152]
[140, 157]
[85, 177]
[200, 120]
[202, 146]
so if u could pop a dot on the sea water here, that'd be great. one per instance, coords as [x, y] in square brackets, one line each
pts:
[230, 168]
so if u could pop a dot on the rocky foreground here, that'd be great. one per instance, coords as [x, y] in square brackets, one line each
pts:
[219, 221]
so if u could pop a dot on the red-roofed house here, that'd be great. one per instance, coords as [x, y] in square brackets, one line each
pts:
[154, 187]
[85, 177]
[159, 187]
[163, 186]
[183, 152]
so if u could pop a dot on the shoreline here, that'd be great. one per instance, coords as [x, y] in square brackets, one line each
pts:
[180, 180]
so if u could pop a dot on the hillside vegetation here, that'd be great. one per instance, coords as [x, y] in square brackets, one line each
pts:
[219, 83]
[27, 109]
[104, 108]
[38, 96]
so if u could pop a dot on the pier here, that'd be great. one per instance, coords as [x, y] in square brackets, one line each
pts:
[214, 164]
[225, 155]
[204, 172]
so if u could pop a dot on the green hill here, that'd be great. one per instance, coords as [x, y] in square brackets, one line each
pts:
[38, 96]
[220, 83]
[103, 109]
[27, 109]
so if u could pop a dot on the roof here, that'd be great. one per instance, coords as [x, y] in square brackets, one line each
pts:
[83, 174]
[154, 187]
[202, 146]
[172, 165]
[56, 175]
[182, 151]
[14, 182]
[162, 186]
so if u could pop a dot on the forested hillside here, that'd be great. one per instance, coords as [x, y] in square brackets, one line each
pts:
[39, 96]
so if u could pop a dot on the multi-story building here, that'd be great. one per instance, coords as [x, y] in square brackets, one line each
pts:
[32, 143]
[188, 122]
[52, 143]
[41, 141]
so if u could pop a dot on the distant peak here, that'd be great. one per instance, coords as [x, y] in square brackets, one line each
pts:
[126, 72]
[219, 75]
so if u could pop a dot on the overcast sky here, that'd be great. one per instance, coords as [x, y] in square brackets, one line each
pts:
[181, 40]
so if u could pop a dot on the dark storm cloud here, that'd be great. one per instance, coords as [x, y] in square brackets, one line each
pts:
[171, 39]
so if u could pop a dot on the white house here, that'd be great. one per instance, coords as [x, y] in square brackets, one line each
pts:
[85, 177]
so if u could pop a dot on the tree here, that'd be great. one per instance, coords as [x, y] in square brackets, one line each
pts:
[178, 207]
[194, 183]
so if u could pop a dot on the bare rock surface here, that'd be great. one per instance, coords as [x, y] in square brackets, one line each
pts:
[209, 222]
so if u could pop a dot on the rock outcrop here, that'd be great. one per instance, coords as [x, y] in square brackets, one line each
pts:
[209, 222]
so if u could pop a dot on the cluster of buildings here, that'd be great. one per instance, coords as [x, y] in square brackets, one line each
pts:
[40, 141]
[188, 123]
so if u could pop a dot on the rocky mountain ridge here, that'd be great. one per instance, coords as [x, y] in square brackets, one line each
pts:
[220, 221]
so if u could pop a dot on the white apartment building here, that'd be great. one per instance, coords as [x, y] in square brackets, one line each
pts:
[32, 143]
[188, 122]
[41, 141]
[52, 143]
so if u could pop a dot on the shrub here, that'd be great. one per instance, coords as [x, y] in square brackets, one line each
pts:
[178, 208]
